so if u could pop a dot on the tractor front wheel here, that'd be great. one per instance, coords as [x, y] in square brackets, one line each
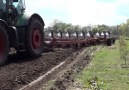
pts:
[35, 38]
[4, 45]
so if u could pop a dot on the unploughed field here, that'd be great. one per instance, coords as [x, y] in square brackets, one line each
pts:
[106, 71]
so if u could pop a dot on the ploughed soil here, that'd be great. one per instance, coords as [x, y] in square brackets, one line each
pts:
[64, 79]
[20, 69]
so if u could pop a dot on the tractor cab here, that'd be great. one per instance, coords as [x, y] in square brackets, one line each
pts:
[10, 10]
[19, 5]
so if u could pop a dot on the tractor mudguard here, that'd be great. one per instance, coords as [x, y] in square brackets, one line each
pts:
[24, 18]
[3, 22]
[12, 34]
[6, 26]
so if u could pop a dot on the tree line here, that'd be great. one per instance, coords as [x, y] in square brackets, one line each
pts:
[57, 25]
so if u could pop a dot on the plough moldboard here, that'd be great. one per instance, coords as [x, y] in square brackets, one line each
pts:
[77, 39]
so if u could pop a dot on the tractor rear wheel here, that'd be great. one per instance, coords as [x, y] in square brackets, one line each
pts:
[35, 38]
[4, 45]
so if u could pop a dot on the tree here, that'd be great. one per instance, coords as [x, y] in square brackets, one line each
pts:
[76, 28]
[84, 29]
[95, 30]
[59, 25]
[102, 28]
[124, 27]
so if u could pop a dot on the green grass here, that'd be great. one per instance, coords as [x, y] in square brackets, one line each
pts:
[106, 66]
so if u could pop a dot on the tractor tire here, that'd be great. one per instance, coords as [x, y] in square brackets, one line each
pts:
[109, 42]
[4, 45]
[35, 38]
[75, 46]
[113, 40]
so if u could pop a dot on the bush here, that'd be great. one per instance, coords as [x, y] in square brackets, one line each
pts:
[123, 48]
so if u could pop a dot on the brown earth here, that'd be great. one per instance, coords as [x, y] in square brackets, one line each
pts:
[65, 78]
[21, 70]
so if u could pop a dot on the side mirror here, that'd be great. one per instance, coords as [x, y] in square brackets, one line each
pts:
[15, 0]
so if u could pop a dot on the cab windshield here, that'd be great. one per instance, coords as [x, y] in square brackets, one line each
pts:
[20, 5]
[2, 4]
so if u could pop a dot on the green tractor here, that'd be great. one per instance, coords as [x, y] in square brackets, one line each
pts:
[19, 30]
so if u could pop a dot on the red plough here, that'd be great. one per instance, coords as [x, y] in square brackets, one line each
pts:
[77, 39]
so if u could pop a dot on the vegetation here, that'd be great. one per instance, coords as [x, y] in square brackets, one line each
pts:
[123, 49]
[105, 72]
[57, 25]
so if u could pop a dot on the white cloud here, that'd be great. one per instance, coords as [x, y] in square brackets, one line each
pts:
[91, 12]
[43, 4]
[82, 12]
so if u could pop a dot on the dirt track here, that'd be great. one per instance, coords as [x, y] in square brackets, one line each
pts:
[64, 79]
[21, 70]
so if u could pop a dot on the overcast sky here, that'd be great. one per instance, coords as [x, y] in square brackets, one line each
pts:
[81, 12]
